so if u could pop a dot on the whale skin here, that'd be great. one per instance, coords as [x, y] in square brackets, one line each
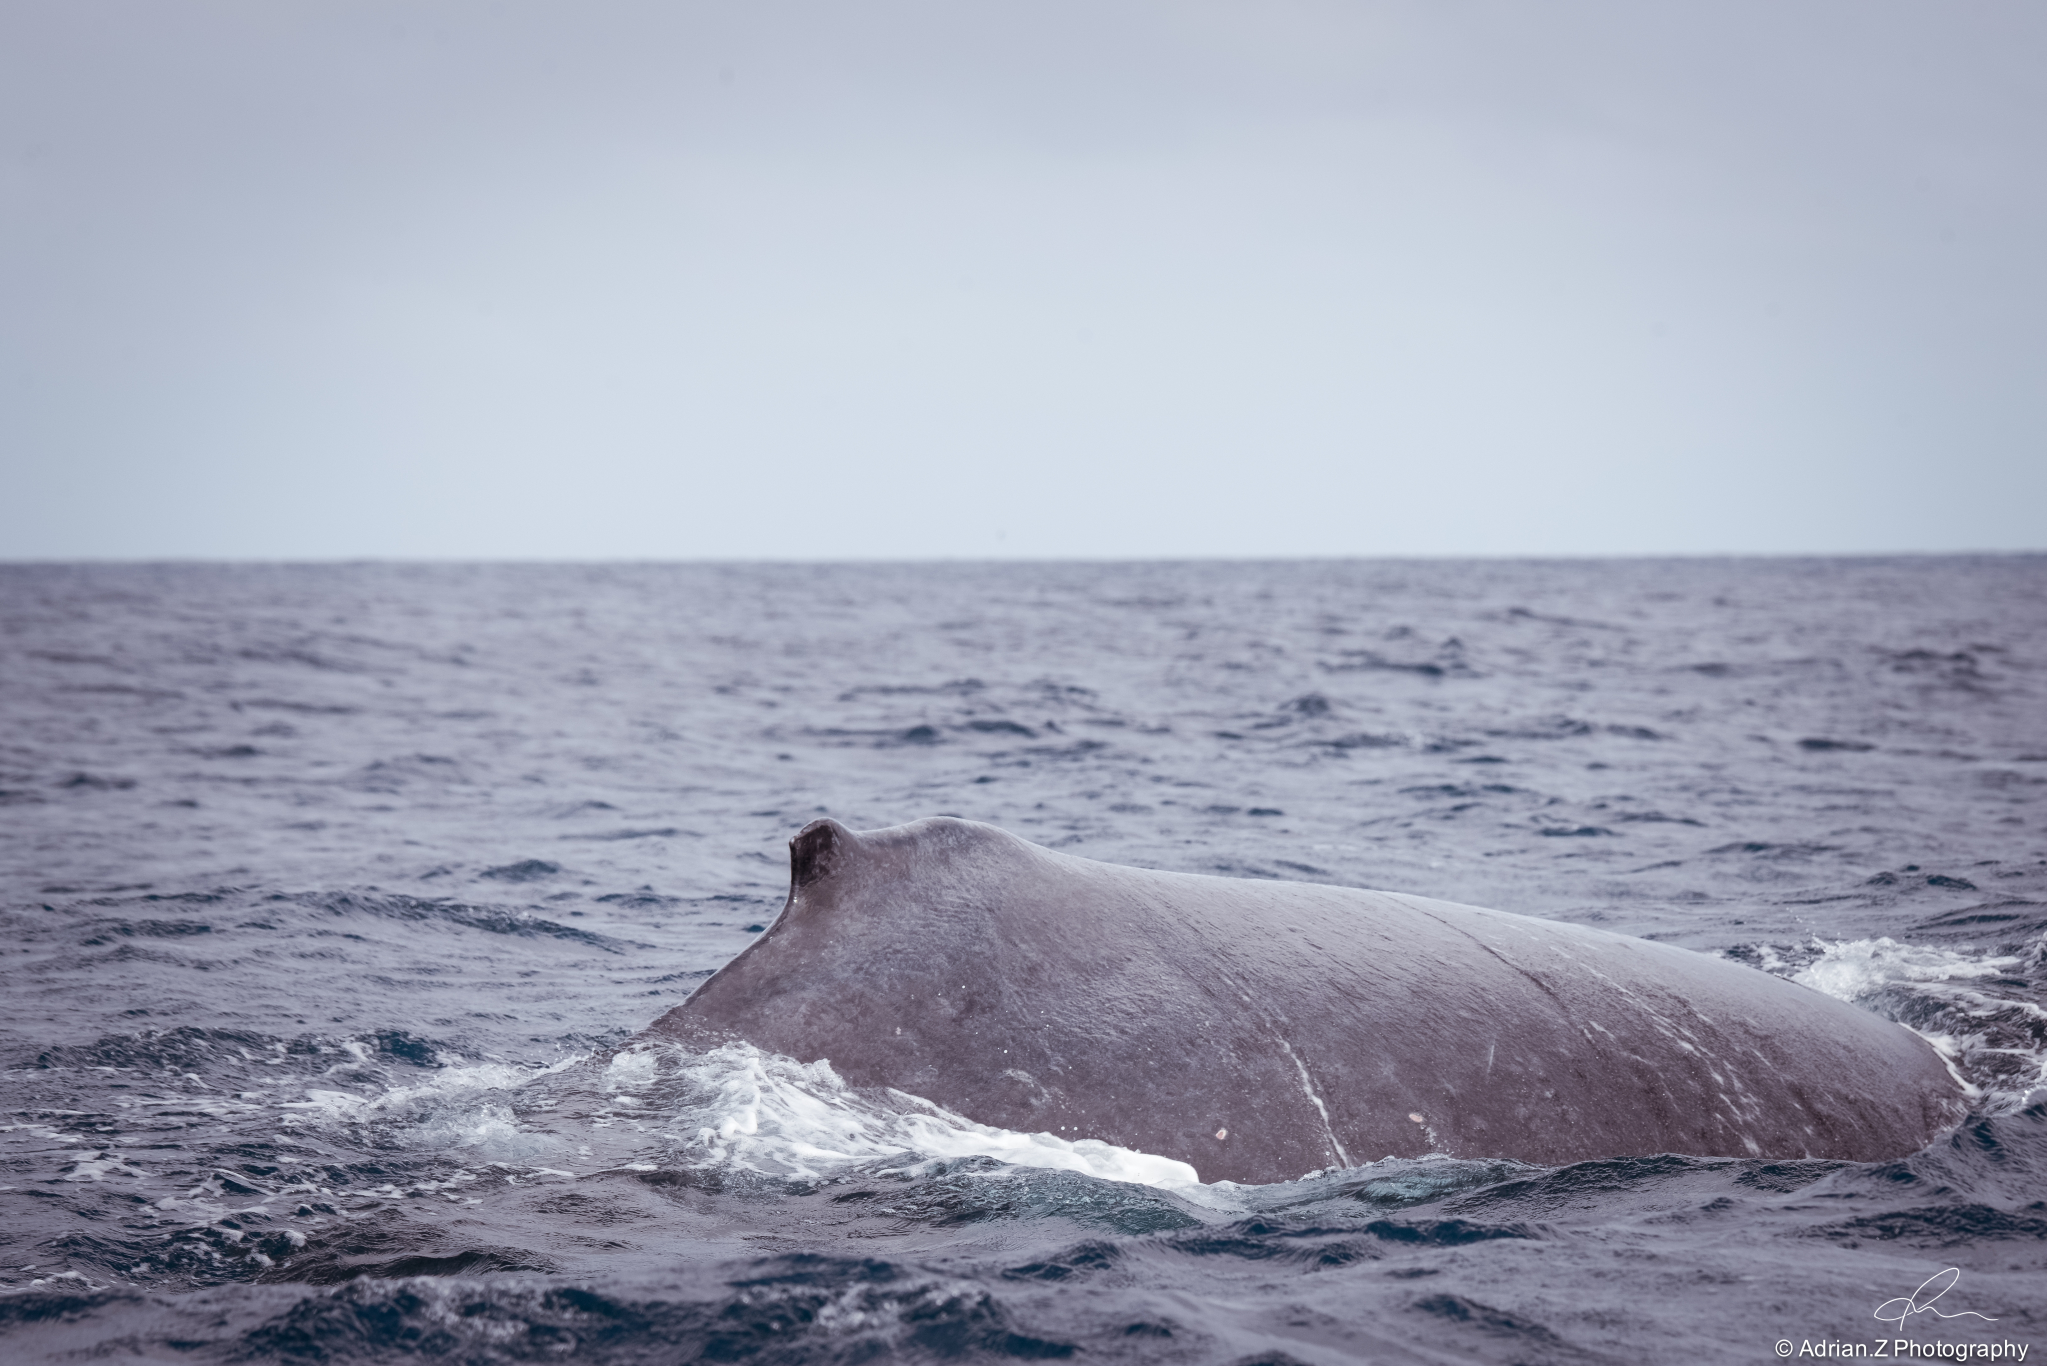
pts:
[1262, 1030]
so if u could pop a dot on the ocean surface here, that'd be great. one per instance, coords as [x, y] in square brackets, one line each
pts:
[335, 896]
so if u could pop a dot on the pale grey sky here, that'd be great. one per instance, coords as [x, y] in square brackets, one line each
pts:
[1115, 278]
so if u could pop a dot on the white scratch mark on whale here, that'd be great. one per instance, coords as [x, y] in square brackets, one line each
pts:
[1308, 1085]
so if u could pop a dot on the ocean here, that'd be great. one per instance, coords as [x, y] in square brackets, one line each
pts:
[335, 897]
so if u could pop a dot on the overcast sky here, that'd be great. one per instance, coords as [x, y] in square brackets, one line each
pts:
[628, 279]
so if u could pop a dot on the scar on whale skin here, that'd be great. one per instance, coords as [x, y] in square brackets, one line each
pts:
[1260, 1030]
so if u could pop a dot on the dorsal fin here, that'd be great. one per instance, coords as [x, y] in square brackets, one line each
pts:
[813, 851]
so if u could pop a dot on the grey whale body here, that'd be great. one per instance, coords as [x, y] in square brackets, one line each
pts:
[1262, 1030]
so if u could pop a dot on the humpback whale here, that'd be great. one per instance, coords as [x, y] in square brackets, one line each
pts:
[1263, 1030]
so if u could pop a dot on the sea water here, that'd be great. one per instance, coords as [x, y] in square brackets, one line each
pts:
[336, 896]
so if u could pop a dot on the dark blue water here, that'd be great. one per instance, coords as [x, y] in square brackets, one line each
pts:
[331, 892]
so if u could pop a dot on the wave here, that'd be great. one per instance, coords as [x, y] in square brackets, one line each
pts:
[1977, 1006]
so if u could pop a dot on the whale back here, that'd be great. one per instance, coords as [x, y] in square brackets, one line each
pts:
[1261, 1030]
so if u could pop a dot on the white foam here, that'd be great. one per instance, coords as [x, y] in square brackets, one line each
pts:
[449, 1083]
[1991, 1042]
[1856, 969]
[457, 1107]
[633, 1070]
[735, 1106]
[98, 1166]
[770, 1114]
[492, 1130]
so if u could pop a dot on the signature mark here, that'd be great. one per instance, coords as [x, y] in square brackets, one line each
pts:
[1921, 1301]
